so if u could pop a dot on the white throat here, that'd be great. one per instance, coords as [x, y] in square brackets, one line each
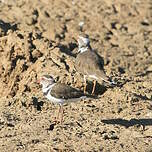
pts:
[82, 49]
[46, 89]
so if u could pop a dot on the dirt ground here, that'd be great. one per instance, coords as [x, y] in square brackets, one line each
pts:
[38, 37]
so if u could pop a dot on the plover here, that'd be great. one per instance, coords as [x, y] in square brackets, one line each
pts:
[89, 63]
[60, 93]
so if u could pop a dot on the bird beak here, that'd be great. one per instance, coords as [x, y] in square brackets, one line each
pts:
[75, 39]
[38, 81]
[78, 38]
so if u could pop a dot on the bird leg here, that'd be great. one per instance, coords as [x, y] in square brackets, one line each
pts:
[61, 120]
[56, 118]
[85, 85]
[94, 86]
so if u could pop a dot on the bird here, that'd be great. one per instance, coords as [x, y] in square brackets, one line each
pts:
[60, 93]
[89, 63]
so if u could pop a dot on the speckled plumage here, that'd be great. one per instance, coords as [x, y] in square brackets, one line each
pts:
[64, 91]
[60, 93]
[89, 63]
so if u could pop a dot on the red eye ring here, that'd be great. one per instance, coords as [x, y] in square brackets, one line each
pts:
[42, 78]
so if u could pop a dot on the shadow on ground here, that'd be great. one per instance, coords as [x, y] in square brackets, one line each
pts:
[128, 123]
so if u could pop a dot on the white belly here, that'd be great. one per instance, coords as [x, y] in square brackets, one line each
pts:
[54, 100]
[93, 77]
[61, 101]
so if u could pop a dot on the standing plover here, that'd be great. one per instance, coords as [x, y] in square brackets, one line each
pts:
[60, 93]
[89, 63]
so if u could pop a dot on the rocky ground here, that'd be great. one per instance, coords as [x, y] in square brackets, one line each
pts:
[38, 37]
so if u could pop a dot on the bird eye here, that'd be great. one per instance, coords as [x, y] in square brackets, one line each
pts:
[42, 78]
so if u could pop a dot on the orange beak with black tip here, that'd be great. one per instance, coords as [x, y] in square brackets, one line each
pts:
[38, 81]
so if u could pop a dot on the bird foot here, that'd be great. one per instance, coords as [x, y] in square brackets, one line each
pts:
[55, 121]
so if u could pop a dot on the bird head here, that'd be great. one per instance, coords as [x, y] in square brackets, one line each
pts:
[83, 42]
[46, 80]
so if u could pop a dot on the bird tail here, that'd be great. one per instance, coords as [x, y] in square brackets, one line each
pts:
[111, 82]
[105, 78]
[90, 96]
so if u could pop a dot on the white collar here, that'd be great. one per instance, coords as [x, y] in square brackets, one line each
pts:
[46, 89]
[83, 49]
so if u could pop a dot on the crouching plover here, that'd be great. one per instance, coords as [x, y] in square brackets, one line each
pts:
[60, 93]
[89, 63]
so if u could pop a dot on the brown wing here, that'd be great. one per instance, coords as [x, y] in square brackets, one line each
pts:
[66, 92]
[90, 63]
